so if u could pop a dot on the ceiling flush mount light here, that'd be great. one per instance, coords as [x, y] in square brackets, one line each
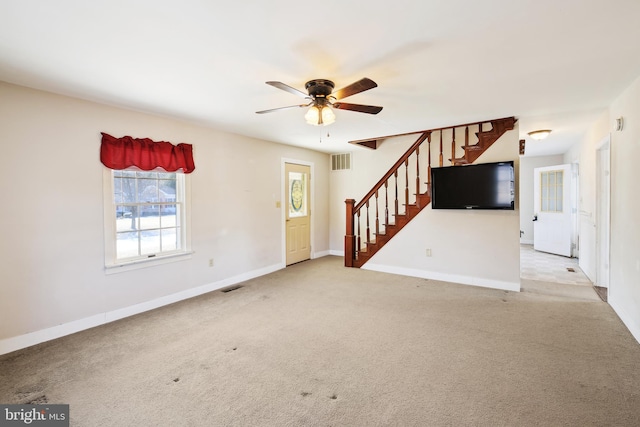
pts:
[539, 134]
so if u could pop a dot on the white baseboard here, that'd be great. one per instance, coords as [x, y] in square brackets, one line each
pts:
[629, 321]
[9, 345]
[464, 280]
[321, 254]
[336, 253]
[526, 242]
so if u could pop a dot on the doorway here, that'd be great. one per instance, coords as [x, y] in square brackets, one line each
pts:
[553, 211]
[297, 196]
[554, 192]
[603, 209]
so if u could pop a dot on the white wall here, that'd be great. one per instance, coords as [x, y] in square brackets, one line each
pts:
[368, 166]
[527, 166]
[52, 252]
[584, 154]
[624, 281]
[624, 286]
[471, 247]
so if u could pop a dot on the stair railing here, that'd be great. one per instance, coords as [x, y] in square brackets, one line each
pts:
[408, 188]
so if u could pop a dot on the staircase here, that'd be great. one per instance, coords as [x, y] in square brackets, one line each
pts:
[402, 193]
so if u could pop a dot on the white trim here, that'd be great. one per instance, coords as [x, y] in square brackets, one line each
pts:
[336, 253]
[320, 254]
[109, 217]
[453, 278]
[149, 262]
[575, 207]
[9, 345]
[526, 242]
[603, 213]
[112, 265]
[627, 319]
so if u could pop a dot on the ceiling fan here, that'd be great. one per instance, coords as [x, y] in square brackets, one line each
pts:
[321, 99]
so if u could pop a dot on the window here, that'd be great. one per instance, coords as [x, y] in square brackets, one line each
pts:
[298, 194]
[551, 194]
[144, 216]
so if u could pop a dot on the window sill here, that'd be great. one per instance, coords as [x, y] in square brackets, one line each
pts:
[148, 262]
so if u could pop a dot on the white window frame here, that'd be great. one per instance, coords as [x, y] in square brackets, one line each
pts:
[554, 192]
[112, 264]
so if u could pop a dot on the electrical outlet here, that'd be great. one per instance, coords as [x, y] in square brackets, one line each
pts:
[428, 252]
[278, 204]
[211, 262]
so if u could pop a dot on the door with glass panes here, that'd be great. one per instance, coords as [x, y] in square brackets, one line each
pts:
[552, 210]
[298, 212]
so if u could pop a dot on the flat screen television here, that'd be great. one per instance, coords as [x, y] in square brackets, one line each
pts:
[476, 186]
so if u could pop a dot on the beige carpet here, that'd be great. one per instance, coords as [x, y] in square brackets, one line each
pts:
[320, 345]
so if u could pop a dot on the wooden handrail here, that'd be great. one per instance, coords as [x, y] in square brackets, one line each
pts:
[391, 171]
[355, 256]
[358, 141]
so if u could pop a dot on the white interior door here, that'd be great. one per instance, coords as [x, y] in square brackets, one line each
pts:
[552, 227]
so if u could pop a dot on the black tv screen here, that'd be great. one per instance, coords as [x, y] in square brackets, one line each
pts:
[478, 186]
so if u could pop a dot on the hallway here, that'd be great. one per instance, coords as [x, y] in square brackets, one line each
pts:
[549, 274]
[535, 265]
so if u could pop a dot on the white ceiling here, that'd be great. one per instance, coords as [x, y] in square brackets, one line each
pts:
[553, 64]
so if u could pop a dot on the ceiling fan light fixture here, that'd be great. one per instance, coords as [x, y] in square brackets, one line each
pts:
[539, 134]
[318, 115]
[328, 116]
[313, 116]
[321, 99]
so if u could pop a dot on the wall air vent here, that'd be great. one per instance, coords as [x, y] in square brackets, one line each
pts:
[340, 162]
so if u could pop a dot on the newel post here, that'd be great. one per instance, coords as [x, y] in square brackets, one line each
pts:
[349, 238]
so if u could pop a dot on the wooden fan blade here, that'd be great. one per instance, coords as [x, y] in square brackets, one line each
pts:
[283, 108]
[370, 109]
[288, 88]
[357, 87]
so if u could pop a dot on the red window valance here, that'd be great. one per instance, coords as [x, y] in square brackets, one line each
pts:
[121, 153]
